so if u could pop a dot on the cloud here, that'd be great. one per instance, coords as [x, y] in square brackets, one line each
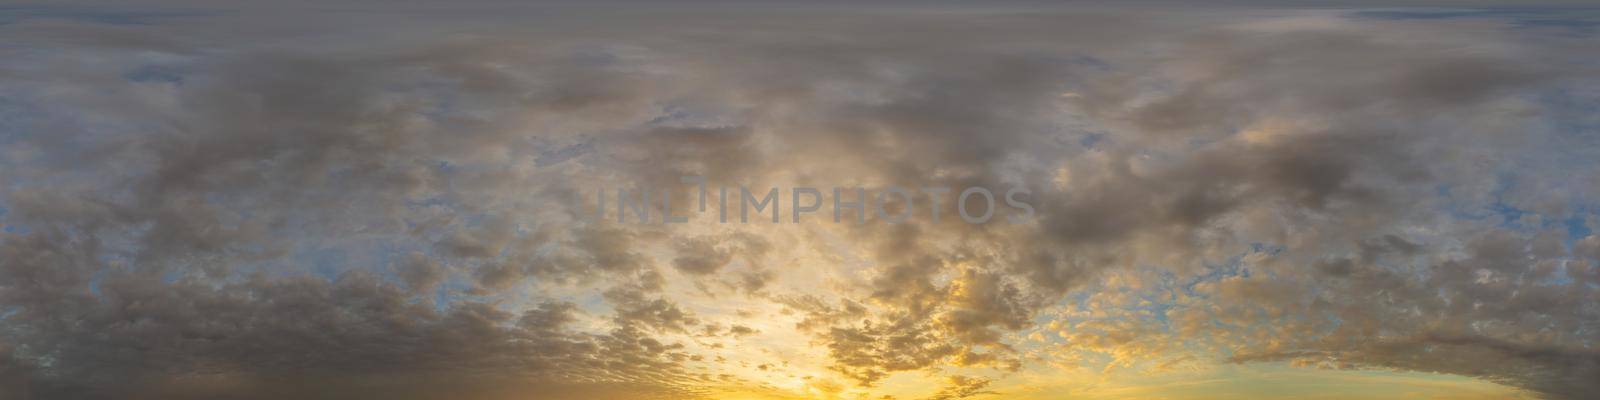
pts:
[233, 204]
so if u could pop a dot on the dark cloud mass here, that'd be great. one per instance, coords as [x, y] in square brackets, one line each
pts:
[373, 202]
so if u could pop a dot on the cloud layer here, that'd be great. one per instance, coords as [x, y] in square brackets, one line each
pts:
[319, 203]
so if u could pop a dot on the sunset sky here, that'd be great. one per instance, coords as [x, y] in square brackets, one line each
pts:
[395, 200]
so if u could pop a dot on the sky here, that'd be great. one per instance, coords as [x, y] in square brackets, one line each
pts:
[360, 199]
